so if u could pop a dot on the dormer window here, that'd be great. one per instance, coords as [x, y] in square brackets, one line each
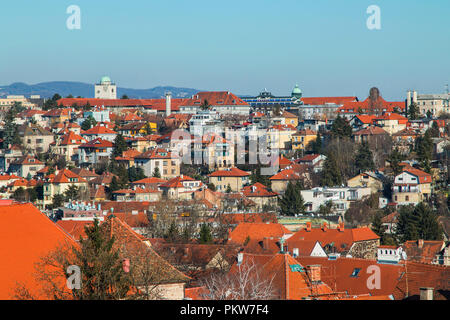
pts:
[355, 272]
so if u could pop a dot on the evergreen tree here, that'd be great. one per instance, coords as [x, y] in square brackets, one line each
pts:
[20, 194]
[292, 201]
[88, 123]
[331, 174]
[256, 176]
[205, 105]
[413, 111]
[418, 222]
[316, 145]
[172, 234]
[364, 158]
[101, 267]
[72, 193]
[205, 236]
[120, 145]
[341, 128]
[156, 173]
[228, 189]
[394, 159]
[424, 150]
[377, 225]
[58, 201]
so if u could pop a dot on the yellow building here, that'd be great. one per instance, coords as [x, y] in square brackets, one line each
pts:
[233, 177]
[279, 136]
[302, 138]
[366, 179]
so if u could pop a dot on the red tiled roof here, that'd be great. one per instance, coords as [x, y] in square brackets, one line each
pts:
[342, 240]
[177, 182]
[426, 254]
[257, 231]
[422, 175]
[372, 130]
[26, 235]
[324, 100]
[215, 98]
[74, 227]
[64, 176]
[72, 138]
[230, 172]
[97, 143]
[287, 174]
[258, 190]
[98, 129]
[150, 180]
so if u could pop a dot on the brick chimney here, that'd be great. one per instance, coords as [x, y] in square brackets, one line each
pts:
[420, 243]
[314, 272]
[341, 227]
[426, 293]
[126, 265]
[308, 226]
[324, 227]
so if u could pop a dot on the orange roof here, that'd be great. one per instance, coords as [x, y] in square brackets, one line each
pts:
[287, 174]
[365, 118]
[370, 131]
[229, 172]
[26, 235]
[324, 100]
[74, 227]
[177, 182]
[64, 176]
[72, 138]
[257, 231]
[423, 250]
[422, 175]
[150, 180]
[258, 190]
[97, 143]
[342, 240]
[98, 129]
[215, 98]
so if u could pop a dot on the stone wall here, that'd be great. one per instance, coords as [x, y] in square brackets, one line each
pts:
[365, 249]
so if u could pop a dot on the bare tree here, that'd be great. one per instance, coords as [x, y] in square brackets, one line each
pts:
[246, 283]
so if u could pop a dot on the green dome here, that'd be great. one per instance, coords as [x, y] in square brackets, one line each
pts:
[105, 79]
[296, 92]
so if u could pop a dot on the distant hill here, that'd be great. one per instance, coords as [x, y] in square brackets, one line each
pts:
[65, 88]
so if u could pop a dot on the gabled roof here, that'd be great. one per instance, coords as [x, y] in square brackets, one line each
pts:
[215, 98]
[341, 240]
[421, 175]
[64, 176]
[177, 182]
[26, 235]
[371, 130]
[72, 138]
[230, 172]
[257, 231]
[27, 160]
[131, 245]
[287, 174]
[98, 129]
[75, 228]
[423, 250]
[258, 190]
[157, 153]
[97, 143]
[150, 180]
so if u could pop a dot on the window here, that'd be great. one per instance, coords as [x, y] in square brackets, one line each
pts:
[355, 272]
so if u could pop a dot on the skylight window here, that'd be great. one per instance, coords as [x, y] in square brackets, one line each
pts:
[355, 272]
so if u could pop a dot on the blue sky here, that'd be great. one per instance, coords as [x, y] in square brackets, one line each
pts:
[242, 46]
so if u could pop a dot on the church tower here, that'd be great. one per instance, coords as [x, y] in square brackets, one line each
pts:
[105, 89]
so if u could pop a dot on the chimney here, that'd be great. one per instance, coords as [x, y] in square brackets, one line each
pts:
[420, 243]
[266, 243]
[314, 272]
[341, 227]
[426, 293]
[240, 257]
[168, 103]
[126, 265]
[324, 227]
[295, 252]
[308, 226]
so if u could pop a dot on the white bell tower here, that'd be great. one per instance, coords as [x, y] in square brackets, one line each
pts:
[105, 89]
